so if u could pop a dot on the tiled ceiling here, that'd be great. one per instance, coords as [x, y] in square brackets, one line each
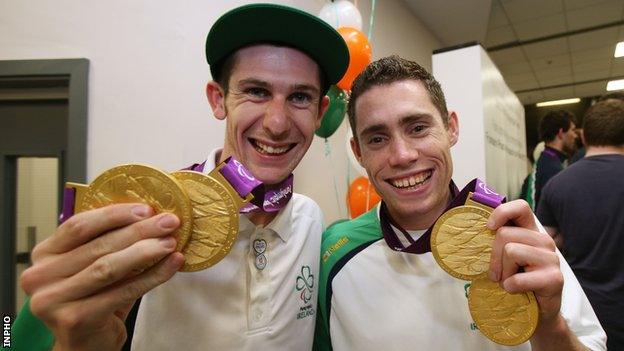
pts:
[545, 49]
[556, 49]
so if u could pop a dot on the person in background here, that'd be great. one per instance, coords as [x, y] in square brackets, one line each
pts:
[527, 192]
[380, 287]
[272, 66]
[582, 208]
[557, 131]
[580, 153]
[580, 147]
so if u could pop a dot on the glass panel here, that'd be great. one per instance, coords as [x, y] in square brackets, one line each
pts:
[37, 209]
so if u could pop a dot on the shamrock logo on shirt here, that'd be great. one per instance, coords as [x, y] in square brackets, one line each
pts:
[305, 283]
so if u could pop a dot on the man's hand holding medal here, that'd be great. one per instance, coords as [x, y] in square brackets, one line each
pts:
[513, 266]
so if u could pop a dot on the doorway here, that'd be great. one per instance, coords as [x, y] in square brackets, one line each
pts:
[43, 131]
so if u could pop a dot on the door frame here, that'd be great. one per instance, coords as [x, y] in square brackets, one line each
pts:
[73, 162]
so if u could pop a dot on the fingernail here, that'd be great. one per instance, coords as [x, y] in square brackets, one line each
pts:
[490, 224]
[176, 261]
[168, 222]
[141, 211]
[167, 242]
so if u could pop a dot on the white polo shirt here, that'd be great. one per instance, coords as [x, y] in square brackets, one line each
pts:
[374, 298]
[234, 305]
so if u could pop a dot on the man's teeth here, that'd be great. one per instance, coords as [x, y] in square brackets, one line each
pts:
[266, 149]
[411, 181]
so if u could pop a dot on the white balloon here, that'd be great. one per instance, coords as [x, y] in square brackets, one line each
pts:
[341, 13]
[354, 162]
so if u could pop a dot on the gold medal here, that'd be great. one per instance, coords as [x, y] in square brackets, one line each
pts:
[138, 183]
[215, 218]
[507, 319]
[461, 243]
[207, 206]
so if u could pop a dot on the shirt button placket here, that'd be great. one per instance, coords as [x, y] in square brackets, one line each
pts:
[259, 282]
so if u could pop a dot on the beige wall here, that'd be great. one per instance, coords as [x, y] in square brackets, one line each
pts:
[37, 204]
[147, 77]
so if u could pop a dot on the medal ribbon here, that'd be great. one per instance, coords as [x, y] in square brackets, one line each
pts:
[480, 193]
[267, 200]
[69, 197]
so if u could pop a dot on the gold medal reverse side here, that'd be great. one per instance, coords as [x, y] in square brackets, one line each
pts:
[507, 319]
[461, 243]
[215, 220]
[144, 184]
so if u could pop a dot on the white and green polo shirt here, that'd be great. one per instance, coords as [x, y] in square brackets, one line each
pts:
[374, 298]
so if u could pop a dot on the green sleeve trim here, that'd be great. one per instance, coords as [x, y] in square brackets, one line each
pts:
[28, 332]
[338, 241]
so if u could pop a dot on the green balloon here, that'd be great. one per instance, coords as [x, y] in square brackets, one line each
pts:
[335, 113]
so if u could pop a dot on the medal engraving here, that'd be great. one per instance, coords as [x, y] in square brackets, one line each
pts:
[215, 220]
[143, 184]
[507, 319]
[461, 243]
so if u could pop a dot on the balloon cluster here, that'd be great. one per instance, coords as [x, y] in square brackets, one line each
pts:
[346, 18]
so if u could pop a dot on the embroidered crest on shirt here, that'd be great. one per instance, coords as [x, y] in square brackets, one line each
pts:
[305, 287]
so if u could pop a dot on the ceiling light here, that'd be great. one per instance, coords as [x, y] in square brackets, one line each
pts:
[615, 85]
[558, 102]
[619, 49]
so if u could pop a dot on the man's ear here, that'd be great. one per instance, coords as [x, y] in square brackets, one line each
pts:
[322, 109]
[560, 133]
[453, 127]
[355, 147]
[216, 98]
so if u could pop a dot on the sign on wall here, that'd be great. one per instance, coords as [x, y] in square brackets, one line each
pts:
[492, 141]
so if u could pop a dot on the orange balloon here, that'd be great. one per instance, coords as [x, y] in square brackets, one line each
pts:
[361, 197]
[360, 55]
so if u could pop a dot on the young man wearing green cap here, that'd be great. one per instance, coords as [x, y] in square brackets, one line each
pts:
[272, 66]
[380, 286]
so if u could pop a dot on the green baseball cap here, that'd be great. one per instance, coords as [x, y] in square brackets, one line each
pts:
[283, 25]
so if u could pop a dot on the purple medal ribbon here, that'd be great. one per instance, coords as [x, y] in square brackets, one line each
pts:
[267, 200]
[480, 193]
[69, 195]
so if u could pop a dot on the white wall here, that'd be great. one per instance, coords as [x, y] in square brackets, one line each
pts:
[148, 72]
[505, 134]
[492, 139]
[459, 73]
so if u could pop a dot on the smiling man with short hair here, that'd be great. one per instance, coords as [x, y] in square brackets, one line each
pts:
[380, 287]
[272, 67]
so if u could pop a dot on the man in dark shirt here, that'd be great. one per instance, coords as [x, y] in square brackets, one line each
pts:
[557, 130]
[583, 209]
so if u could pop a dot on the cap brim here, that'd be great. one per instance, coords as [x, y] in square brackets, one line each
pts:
[270, 23]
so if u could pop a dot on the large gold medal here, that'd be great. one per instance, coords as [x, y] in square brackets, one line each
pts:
[215, 218]
[461, 243]
[138, 183]
[507, 319]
